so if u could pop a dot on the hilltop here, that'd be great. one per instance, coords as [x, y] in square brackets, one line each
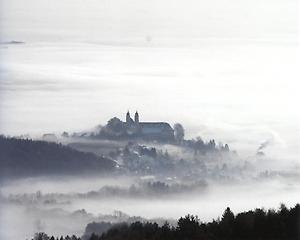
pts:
[25, 157]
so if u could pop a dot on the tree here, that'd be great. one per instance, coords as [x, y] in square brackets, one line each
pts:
[41, 236]
[93, 237]
[228, 216]
[227, 223]
[226, 148]
[65, 134]
[188, 227]
[178, 132]
[115, 124]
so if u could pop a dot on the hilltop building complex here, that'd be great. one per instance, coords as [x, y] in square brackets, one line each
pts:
[160, 131]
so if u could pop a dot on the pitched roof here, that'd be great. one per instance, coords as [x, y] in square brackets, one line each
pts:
[154, 126]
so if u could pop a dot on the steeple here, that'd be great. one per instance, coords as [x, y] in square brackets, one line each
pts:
[128, 118]
[136, 117]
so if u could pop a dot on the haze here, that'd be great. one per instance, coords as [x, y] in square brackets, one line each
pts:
[225, 70]
[219, 67]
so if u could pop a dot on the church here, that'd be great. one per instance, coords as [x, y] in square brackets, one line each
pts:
[160, 131]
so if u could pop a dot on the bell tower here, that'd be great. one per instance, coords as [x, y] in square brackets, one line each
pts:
[128, 118]
[136, 118]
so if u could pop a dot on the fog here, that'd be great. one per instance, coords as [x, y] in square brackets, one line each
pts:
[230, 69]
[242, 95]
[203, 184]
[226, 70]
[61, 217]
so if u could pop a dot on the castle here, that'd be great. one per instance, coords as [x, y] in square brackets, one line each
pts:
[160, 131]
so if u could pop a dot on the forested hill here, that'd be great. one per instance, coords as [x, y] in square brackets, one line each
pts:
[281, 224]
[24, 157]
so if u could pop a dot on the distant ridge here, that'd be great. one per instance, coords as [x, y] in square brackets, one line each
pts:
[12, 42]
[24, 157]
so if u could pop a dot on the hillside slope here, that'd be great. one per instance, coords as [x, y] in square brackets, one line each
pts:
[20, 157]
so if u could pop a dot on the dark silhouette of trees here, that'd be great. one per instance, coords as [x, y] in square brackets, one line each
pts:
[44, 236]
[188, 227]
[227, 223]
[96, 228]
[26, 157]
[201, 147]
[41, 236]
[283, 224]
[114, 128]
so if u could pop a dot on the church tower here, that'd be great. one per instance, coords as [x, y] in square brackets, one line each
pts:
[136, 118]
[128, 118]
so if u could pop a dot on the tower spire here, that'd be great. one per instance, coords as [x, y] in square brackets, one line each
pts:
[136, 117]
[128, 118]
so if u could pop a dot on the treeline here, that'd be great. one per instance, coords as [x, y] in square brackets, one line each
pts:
[26, 157]
[258, 224]
[283, 224]
[201, 147]
[44, 236]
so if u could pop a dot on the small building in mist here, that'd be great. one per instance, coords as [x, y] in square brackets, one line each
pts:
[49, 137]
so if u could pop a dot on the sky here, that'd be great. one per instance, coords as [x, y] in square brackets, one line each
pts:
[117, 20]
[224, 69]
